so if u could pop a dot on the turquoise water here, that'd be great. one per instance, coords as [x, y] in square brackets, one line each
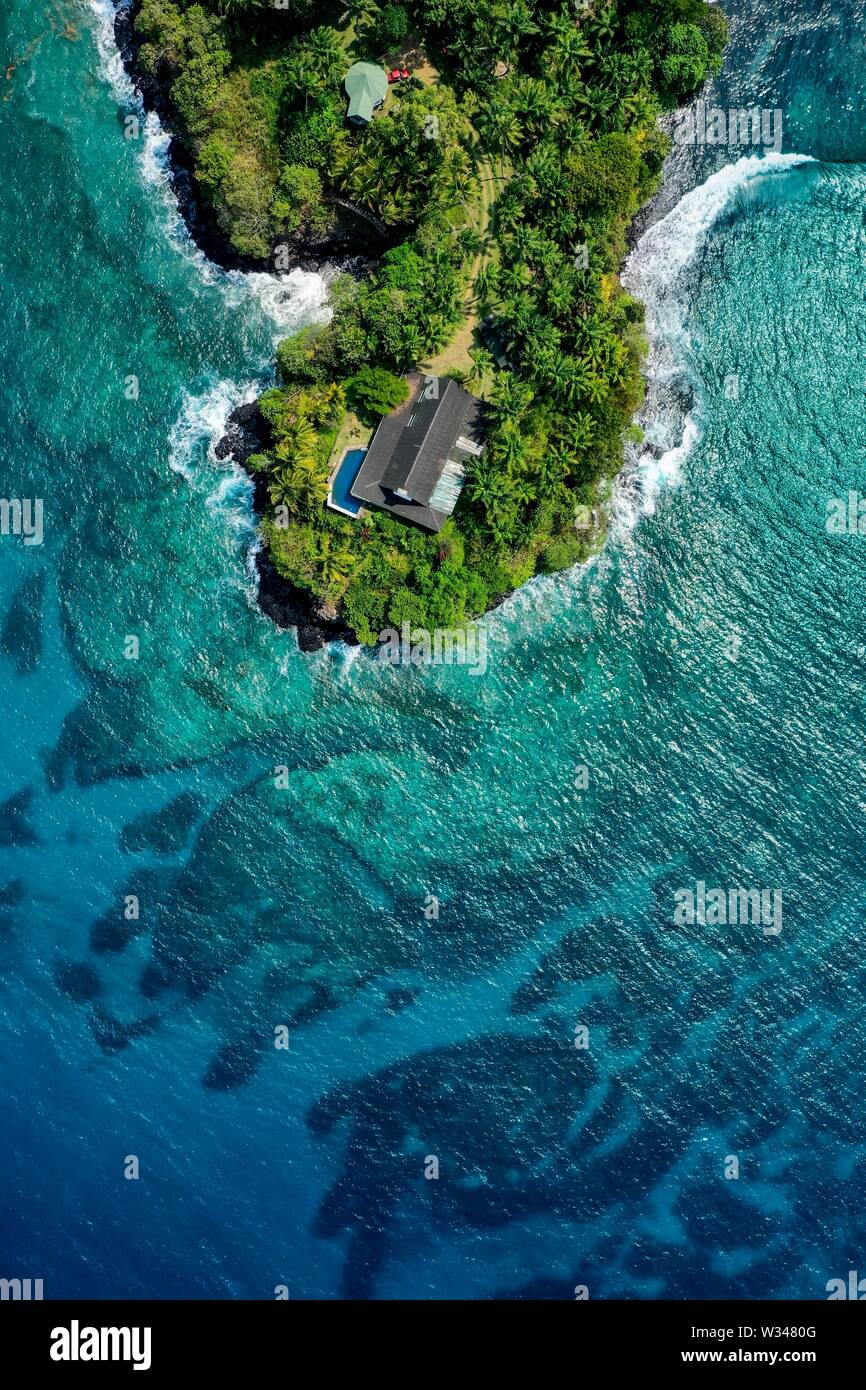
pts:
[687, 708]
[341, 487]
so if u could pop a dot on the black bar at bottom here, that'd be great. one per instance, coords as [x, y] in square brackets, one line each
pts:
[158, 1339]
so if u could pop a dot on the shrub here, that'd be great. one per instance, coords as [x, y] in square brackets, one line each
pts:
[687, 60]
[213, 163]
[391, 27]
[561, 554]
[298, 198]
[243, 205]
[306, 356]
[374, 392]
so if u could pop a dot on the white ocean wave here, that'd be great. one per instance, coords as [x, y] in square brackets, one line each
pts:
[233, 496]
[250, 565]
[291, 300]
[105, 12]
[286, 301]
[200, 426]
[637, 488]
[668, 246]
[225, 488]
[654, 274]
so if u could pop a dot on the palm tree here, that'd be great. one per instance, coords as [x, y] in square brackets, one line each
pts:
[596, 103]
[525, 243]
[438, 330]
[482, 363]
[533, 101]
[614, 71]
[570, 51]
[512, 279]
[488, 488]
[581, 431]
[563, 224]
[603, 26]
[501, 131]
[283, 490]
[507, 444]
[413, 344]
[577, 379]
[486, 284]
[560, 294]
[363, 14]
[596, 388]
[335, 563]
[301, 75]
[595, 356]
[545, 166]
[470, 243]
[365, 183]
[517, 22]
[359, 9]
[559, 373]
[511, 397]
[641, 109]
[543, 337]
[397, 207]
[523, 488]
[327, 53]
[301, 485]
[298, 442]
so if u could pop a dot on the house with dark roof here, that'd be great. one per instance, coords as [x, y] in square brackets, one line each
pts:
[415, 466]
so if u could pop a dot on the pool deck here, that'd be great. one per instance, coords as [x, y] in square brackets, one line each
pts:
[351, 435]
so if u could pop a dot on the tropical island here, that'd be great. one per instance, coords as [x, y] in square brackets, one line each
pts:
[455, 427]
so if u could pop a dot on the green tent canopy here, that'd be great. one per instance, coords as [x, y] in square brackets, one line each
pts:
[367, 87]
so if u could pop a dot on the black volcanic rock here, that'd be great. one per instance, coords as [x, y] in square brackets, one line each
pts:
[244, 436]
[287, 606]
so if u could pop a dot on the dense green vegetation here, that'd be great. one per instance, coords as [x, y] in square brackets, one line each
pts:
[553, 102]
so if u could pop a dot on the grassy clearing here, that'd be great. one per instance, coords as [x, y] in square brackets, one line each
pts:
[352, 434]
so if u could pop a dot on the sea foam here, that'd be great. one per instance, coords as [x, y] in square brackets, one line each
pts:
[202, 423]
[654, 273]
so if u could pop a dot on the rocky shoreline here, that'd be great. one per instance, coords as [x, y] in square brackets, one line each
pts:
[285, 605]
[349, 246]
[345, 249]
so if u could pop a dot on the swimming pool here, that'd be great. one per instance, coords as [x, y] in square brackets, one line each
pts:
[339, 496]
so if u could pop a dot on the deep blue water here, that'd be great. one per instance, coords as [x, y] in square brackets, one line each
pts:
[707, 673]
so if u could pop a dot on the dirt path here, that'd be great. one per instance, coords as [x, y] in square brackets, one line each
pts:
[455, 355]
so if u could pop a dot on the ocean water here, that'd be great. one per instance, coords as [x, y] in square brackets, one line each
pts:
[689, 707]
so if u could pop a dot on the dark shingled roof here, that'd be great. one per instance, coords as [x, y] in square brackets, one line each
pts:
[412, 446]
